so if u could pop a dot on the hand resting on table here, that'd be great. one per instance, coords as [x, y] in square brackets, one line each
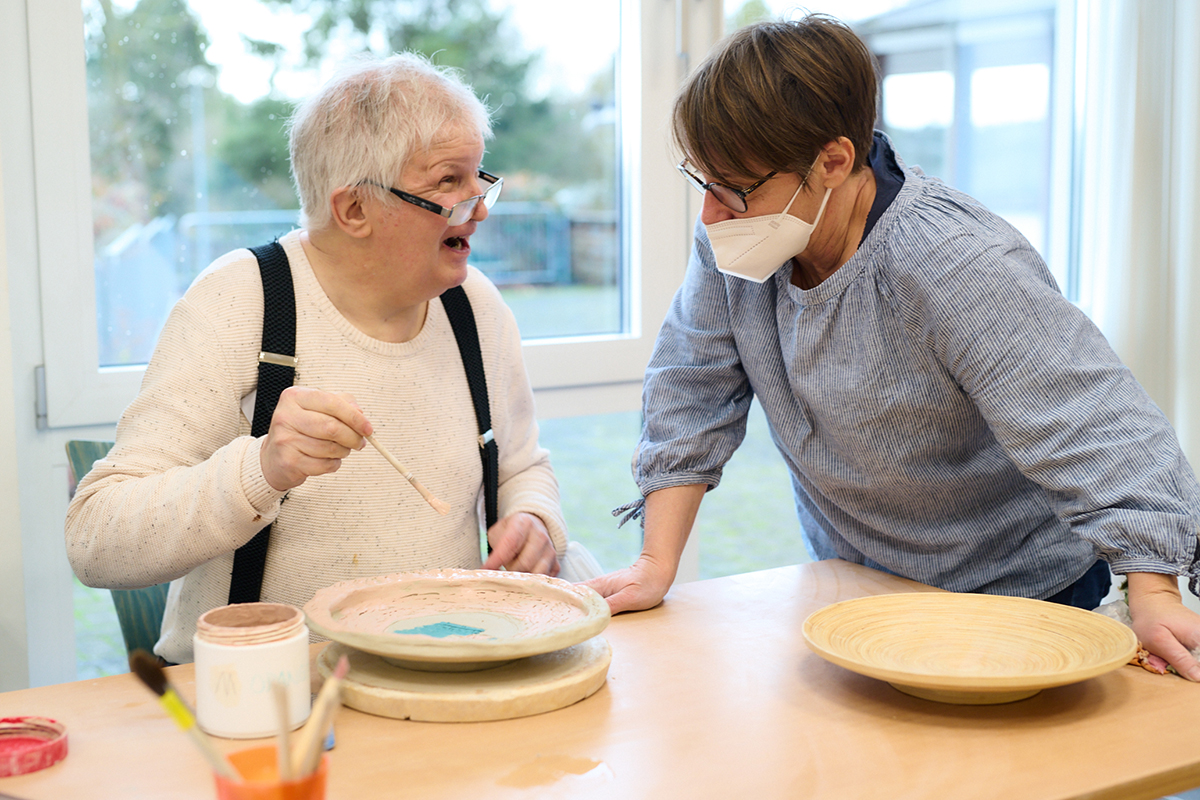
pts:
[1162, 623]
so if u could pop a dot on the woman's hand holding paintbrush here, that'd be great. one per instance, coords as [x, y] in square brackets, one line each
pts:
[146, 667]
[312, 431]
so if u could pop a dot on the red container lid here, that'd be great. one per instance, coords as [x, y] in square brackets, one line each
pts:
[28, 744]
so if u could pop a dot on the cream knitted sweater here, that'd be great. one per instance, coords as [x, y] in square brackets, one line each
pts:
[183, 487]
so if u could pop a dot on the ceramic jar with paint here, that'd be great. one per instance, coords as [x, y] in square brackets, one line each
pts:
[241, 650]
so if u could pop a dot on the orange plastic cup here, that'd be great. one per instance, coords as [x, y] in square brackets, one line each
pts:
[260, 774]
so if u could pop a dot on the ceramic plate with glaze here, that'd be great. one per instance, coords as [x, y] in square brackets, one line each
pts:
[968, 648]
[456, 619]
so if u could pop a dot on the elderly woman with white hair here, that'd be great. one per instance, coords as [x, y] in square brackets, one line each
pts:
[387, 159]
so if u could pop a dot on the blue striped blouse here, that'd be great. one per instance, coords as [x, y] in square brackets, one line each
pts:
[946, 414]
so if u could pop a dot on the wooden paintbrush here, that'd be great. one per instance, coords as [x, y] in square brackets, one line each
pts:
[146, 667]
[306, 754]
[436, 504]
[283, 749]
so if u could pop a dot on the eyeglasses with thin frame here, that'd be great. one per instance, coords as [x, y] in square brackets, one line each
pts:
[463, 210]
[728, 196]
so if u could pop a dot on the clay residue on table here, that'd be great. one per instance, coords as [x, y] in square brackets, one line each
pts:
[549, 769]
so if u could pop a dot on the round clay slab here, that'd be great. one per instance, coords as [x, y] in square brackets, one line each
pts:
[457, 619]
[522, 688]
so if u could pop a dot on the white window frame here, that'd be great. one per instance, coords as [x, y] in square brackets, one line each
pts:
[577, 375]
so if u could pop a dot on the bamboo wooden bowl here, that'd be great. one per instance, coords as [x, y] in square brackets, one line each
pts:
[971, 649]
[457, 620]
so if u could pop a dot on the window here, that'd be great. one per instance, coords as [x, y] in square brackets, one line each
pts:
[189, 153]
[968, 99]
[186, 99]
[971, 94]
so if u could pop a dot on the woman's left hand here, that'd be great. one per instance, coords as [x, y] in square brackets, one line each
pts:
[521, 543]
[1162, 623]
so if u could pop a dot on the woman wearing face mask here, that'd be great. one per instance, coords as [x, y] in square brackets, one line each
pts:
[945, 413]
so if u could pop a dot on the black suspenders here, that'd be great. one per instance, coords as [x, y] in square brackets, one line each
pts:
[277, 371]
[462, 320]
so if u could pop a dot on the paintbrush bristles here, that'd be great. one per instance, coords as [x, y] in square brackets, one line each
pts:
[434, 503]
[146, 667]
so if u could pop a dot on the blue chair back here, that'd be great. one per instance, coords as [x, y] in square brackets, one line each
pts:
[139, 611]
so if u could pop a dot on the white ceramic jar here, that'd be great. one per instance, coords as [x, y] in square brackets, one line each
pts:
[240, 651]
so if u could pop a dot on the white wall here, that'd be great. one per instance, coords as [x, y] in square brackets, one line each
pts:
[14, 669]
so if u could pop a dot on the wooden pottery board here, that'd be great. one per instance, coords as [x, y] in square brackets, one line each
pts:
[520, 688]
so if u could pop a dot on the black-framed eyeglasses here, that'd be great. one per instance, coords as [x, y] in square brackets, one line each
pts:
[463, 210]
[728, 196]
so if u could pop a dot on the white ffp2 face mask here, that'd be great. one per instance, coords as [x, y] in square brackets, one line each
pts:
[754, 248]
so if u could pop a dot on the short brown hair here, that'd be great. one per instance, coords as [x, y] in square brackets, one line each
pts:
[772, 94]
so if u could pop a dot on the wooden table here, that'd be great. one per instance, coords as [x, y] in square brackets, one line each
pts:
[712, 695]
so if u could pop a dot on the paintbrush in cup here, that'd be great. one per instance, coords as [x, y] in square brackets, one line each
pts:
[283, 748]
[436, 504]
[146, 667]
[306, 754]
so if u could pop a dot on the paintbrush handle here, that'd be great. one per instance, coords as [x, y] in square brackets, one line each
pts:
[178, 711]
[312, 755]
[283, 750]
[383, 451]
[216, 758]
[306, 755]
[435, 503]
[307, 749]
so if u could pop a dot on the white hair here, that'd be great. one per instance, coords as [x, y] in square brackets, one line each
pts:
[365, 124]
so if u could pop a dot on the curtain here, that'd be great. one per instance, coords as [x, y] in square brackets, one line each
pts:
[1137, 210]
[1185, 227]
